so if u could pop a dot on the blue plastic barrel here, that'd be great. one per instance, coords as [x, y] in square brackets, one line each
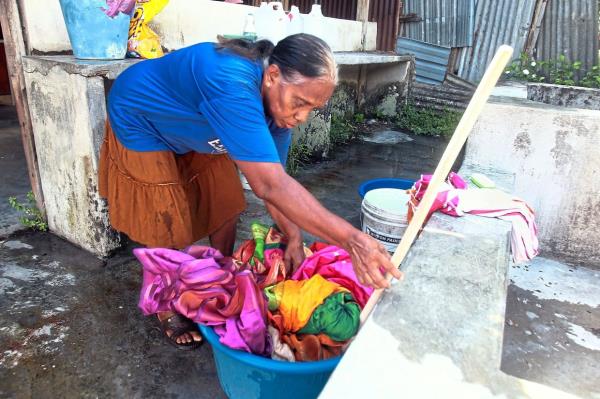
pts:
[402, 184]
[243, 375]
[93, 34]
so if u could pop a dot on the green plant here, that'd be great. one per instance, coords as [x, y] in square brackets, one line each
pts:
[342, 130]
[525, 68]
[592, 78]
[359, 118]
[560, 71]
[298, 155]
[427, 121]
[31, 216]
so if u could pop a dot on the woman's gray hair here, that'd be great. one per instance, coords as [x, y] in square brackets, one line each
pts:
[298, 56]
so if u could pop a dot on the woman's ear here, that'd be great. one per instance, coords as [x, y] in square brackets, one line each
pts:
[272, 75]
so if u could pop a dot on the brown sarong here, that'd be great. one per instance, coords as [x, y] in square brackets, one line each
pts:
[161, 199]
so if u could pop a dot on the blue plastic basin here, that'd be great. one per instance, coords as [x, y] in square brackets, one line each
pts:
[93, 34]
[243, 375]
[366, 186]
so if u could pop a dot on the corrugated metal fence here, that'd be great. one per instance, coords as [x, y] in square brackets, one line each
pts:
[496, 22]
[570, 27]
[447, 23]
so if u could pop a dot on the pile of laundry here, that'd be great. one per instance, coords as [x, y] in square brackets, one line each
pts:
[252, 302]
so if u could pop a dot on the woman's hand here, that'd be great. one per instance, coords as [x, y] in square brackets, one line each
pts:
[369, 259]
[294, 255]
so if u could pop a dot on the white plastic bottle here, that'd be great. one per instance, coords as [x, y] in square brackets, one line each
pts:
[296, 24]
[314, 22]
[271, 21]
[262, 21]
[279, 22]
[249, 32]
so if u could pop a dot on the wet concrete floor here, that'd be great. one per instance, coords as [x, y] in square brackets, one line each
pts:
[14, 181]
[70, 327]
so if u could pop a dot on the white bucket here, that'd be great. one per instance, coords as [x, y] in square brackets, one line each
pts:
[384, 215]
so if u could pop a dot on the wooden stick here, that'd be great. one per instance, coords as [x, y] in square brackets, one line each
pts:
[15, 48]
[491, 76]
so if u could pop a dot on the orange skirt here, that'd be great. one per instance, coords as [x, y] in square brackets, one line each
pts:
[161, 199]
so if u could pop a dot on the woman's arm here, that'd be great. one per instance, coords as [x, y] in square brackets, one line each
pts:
[270, 183]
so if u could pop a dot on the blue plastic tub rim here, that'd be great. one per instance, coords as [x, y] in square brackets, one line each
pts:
[278, 366]
[366, 186]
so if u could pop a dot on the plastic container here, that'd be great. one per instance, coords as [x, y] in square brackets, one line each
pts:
[93, 34]
[314, 22]
[243, 375]
[384, 210]
[271, 21]
[249, 31]
[296, 24]
[403, 184]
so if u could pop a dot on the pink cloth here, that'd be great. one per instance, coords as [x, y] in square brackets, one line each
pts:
[334, 264]
[206, 287]
[456, 199]
[117, 6]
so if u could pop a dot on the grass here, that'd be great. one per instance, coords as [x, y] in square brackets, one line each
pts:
[31, 217]
[298, 156]
[343, 130]
[428, 122]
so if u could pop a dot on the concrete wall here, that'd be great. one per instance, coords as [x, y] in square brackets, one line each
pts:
[567, 96]
[180, 24]
[554, 153]
[68, 113]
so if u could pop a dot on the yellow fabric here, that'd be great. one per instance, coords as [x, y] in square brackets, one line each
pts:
[299, 299]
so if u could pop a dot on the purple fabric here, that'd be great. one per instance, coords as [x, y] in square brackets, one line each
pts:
[206, 287]
[117, 6]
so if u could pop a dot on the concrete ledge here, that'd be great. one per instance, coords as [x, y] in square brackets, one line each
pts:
[566, 96]
[112, 69]
[439, 332]
[71, 65]
[361, 58]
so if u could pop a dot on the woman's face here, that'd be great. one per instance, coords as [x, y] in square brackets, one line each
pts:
[289, 104]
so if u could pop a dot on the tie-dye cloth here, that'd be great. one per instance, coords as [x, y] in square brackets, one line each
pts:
[335, 265]
[206, 287]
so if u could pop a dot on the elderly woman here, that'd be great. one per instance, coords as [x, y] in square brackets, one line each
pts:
[179, 128]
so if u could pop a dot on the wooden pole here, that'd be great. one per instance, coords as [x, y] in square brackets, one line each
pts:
[362, 15]
[491, 76]
[15, 49]
[362, 11]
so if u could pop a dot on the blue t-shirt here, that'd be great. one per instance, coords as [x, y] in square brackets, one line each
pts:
[196, 99]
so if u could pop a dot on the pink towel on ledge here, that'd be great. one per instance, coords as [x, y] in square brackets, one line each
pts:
[206, 287]
[456, 199]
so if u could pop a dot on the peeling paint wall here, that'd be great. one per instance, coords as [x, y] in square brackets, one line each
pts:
[67, 138]
[554, 153]
[182, 23]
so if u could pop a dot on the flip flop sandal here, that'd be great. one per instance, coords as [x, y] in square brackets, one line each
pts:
[179, 325]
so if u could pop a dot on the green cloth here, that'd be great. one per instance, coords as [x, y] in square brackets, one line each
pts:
[338, 317]
[273, 300]
[259, 233]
